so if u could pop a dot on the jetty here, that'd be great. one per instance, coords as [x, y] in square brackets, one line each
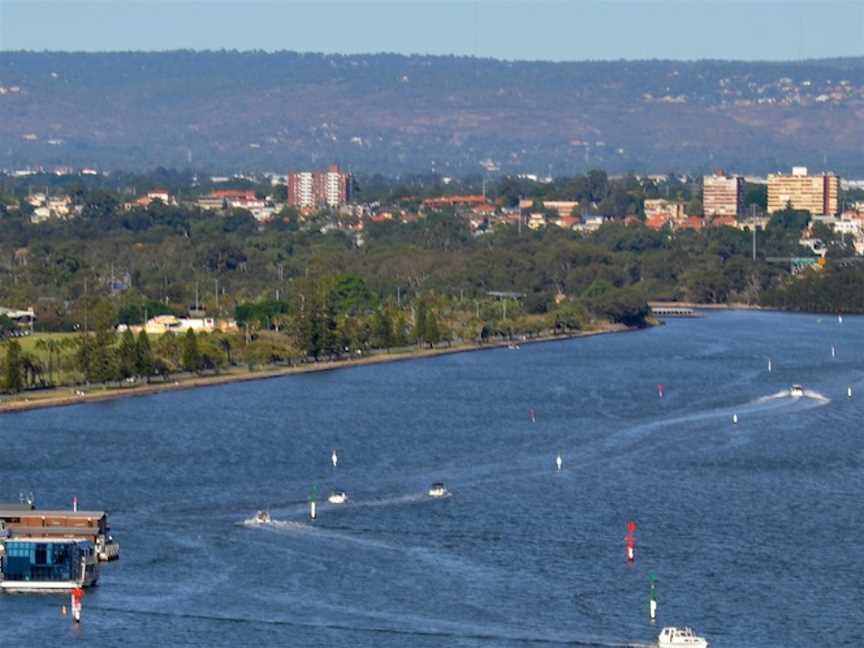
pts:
[663, 310]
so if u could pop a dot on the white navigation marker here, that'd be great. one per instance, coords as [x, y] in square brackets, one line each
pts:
[559, 462]
[833, 351]
[735, 418]
[769, 365]
[849, 392]
[839, 319]
[334, 458]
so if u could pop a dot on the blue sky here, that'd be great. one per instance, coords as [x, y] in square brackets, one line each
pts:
[545, 30]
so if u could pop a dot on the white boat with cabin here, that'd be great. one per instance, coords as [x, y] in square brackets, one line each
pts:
[674, 637]
[438, 490]
[796, 391]
[262, 517]
[338, 497]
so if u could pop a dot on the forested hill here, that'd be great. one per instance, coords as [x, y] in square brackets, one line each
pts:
[389, 113]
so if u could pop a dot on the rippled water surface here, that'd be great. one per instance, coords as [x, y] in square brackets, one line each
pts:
[752, 530]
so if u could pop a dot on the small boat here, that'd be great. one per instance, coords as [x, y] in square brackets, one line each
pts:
[438, 490]
[338, 497]
[262, 517]
[796, 391]
[672, 637]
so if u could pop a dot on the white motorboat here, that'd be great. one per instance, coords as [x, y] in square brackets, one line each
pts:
[338, 497]
[262, 517]
[672, 637]
[796, 391]
[438, 490]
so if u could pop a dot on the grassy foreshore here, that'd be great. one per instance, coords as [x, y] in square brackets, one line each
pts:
[75, 395]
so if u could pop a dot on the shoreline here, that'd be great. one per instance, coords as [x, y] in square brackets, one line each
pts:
[698, 306]
[66, 396]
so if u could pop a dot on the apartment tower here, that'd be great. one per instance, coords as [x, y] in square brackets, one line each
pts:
[722, 195]
[330, 188]
[820, 194]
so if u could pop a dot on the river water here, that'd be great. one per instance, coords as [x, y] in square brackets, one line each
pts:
[753, 530]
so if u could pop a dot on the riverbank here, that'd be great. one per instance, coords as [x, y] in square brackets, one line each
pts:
[74, 395]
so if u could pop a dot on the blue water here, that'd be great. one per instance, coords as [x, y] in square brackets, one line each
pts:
[752, 530]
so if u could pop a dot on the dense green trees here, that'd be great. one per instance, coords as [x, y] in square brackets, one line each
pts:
[14, 381]
[191, 353]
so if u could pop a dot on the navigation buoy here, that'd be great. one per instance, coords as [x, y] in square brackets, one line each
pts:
[531, 414]
[833, 351]
[735, 418]
[660, 391]
[74, 504]
[769, 365]
[334, 458]
[839, 319]
[313, 506]
[630, 539]
[652, 602]
[559, 462]
[849, 392]
[77, 595]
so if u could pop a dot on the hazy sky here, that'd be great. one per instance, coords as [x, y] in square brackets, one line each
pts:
[550, 30]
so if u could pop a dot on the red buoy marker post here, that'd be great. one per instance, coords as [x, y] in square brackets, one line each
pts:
[630, 540]
[77, 595]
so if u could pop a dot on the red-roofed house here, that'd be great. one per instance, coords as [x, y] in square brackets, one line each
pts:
[692, 222]
[657, 221]
[723, 221]
[454, 201]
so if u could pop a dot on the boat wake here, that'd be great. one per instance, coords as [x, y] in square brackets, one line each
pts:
[437, 630]
[787, 393]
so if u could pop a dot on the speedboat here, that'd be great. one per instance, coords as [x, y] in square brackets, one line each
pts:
[672, 637]
[796, 391]
[438, 490]
[262, 517]
[338, 497]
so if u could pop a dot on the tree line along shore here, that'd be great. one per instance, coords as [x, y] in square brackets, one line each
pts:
[56, 395]
[303, 292]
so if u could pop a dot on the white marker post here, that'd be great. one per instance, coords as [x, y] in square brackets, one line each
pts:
[849, 392]
[334, 458]
[735, 419]
[313, 506]
[652, 602]
[559, 462]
